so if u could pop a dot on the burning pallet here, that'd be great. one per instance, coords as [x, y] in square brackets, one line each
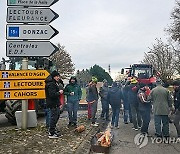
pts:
[101, 142]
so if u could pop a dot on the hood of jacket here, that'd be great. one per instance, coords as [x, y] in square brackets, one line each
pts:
[73, 77]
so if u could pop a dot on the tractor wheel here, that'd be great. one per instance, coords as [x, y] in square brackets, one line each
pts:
[11, 107]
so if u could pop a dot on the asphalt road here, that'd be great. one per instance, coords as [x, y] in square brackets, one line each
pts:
[123, 141]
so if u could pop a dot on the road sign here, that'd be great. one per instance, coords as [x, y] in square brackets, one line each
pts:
[23, 74]
[34, 32]
[30, 15]
[30, 49]
[39, 3]
[22, 84]
[22, 94]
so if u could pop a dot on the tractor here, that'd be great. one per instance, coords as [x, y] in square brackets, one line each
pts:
[144, 73]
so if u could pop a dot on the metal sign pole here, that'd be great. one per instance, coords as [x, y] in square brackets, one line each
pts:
[24, 102]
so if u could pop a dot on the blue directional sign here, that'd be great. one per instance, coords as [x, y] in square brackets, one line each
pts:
[13, 32]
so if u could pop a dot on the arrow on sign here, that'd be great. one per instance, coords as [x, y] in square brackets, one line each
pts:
[39, 3]
[32, 32]
[30, 15]
[23, 74]
[30, 49]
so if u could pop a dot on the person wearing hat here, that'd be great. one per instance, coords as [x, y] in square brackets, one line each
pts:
[162, 102]
[134, 105]
[105, 105]
[73, 93]
[176, 86]
[92, 99]
[53, 92]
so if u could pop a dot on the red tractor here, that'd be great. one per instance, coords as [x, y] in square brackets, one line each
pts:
[144, 73]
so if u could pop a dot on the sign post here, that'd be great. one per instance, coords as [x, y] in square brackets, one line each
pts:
[24, 102]
[39, 15]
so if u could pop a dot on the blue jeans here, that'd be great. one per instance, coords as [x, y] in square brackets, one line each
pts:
[105, 109]
[136, 117]
[72, 108]
[161, 129]
[145, 115]
[55, 113]
[48, 116]
[127, 112]
[115, 116]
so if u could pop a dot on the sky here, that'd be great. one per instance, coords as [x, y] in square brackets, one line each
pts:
[103, 32]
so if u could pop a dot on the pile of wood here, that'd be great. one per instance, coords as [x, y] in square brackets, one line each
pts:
[104, 138]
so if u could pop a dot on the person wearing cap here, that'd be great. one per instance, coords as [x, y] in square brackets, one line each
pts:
[74, 94]
[105, 105]
[52, 100]
[176, 86]
[93, 100]
[162, 102]
[134, 105]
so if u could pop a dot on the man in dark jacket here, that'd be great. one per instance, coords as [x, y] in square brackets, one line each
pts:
[105, 105]
[73, 93]
[127, 109]
[93, 100]
[114, 98]
[176, 86]
[52, 100]
[144, 107]
[132, 99]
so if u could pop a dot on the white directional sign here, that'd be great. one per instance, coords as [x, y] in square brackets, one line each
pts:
[37, 3]
[30, 49]
[30, 15]
[30, 32]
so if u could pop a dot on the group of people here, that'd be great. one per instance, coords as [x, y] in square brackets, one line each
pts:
[138, 103]
[137, 99]
[54, 89]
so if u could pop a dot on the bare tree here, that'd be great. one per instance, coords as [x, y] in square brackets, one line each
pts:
[63, 62]
[174, 28]
[161, 57]
[176, 57]
[83, 77]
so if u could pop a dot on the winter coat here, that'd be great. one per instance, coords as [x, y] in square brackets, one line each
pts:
[132, 94]
[161, 100]
[103, 92]
[52, 93]
[177, 98]
[114, 97]
[144, 103]
[92, 93]
[73, 88]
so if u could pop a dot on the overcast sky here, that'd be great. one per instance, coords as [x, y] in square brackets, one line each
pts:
[103, 32]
